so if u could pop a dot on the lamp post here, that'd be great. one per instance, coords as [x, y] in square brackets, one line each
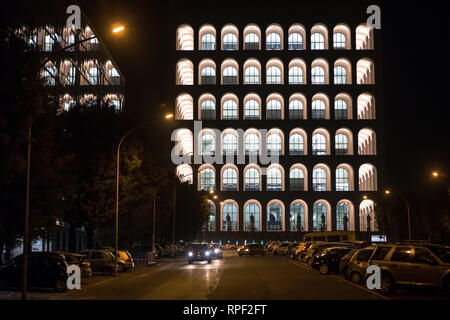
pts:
[388, 192]
[29, 141]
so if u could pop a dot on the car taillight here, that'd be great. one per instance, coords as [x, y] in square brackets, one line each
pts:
[84, 263]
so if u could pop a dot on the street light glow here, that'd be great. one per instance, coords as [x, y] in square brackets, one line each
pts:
[215, 197]
[169, 116]
[364, 197]
[118, 29]
[435, 174]
[387, 191]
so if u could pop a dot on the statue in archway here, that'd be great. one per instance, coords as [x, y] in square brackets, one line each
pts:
[368, 222]
[322, 224]
[252, 223]
[299, 222]
[345, 220]
[228, 222]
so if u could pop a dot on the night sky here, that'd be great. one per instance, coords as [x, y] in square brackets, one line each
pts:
[415, 69]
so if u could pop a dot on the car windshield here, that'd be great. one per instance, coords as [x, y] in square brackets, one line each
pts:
[442, 252]
[199, 247]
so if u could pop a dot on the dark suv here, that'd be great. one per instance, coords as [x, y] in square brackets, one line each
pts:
[199, 252]
[252, 249]
[329, 259]
[45, 270]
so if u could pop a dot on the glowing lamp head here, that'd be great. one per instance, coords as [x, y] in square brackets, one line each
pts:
[169, 116]
[118, 29]
[435, 174]
[387, 191]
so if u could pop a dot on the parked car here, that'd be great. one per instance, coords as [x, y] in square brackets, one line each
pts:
[273, 246]
[358, 264]
[229, 246]
[301, 250]
[125, 260]
[292, 249]
[199, 252]
[329, 259]
[101, 261]
[216, 250]
[345, 261]
[45, 270]
[408, 264]
[252, 249]
[166, 250]
[78, 260]
[282, 249]
[318, 247]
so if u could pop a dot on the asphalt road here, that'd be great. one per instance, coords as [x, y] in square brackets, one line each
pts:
[230, 278]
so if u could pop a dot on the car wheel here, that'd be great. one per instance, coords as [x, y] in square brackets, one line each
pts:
[60, 285]
[324, 268]
[252, 254]
[190, 261]
[387, 284]
[240, 255]
[209, 261]
[120, 267]
[107, 271]
[221, 256]
[356, 278]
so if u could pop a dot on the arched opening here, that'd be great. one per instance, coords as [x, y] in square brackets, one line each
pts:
[367, 217]
[342, 71]
[275, 142]
[252, 142]
[252, 37]
[207, 37]
[185, 173]
[365, 71]
[230, 37]
[207, 142]
[252, 216]
[320, 107]
[343, 107]
[229, 142]
[298, 219]
[185, 72]
[368, 177]
[184, 107]
[319, 71]
[319, 37]
[344, 178]
[252, 71]
[296, 37]
[298, 142]
[184, 141]
[211, 216]
[49, 74]
[252, 107]
[185, 38]
[367, 142]
[274, 72]
[297, 107]
[321, 178]
[230, 107]
[206, 178]
[274, 37]
[341, 37]
[230, 178]
[230, 72]
[207, 72]
[320, 142]
[230, 215]
[275, 216]
[321, 216]
[274, 107]
[207, 107]
[345, 215]
[252, 178]
[297, 71]
[364, 37]
[298, 178]
[343, 142]
[275, 178]
[366, 106]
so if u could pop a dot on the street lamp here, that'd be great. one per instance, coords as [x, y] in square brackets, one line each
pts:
[27, 197]
[388, 192]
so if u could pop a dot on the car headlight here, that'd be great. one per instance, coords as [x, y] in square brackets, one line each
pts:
[246, 249]
[190, 254]
[207, 253]
[216, 250]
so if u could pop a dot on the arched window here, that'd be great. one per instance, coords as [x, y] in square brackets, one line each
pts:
[317, 75]
[339, 41]
[229, 110]
[274, 145]
[296, 145]
[273, 41]
[295, 75]
[49, 74]
[229, 217]
[212, 217]
[274, 217]
[94, 75]
[185, 72]
[208, 75]
[274, 110]
[340, 75]
[341, 144]
[274, 179]
[340, 110]
[319, 145]
[252, 110]
[230, 75]
[297, 217]
[252, 179]
[273, 75]
[230, 42]
[342, 181]
[320, 217]
[208, 110]
[252, 217]
[208, 145]
[207, 179]
[185, 38]
[317, 41]
[229, 144]
[251, 75]
[365, 71]
[296, 180]
[208, 42]
[319, 180]
[295, 41]
[342, 210]
[251, 144]
[251, 41]
[318, 109]
[296, 110]
[229, 180]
